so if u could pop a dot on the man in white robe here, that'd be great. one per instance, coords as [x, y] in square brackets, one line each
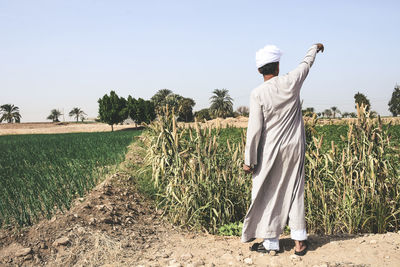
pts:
[275, 153]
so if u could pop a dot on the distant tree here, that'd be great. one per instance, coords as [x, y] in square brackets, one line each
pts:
[112, 109]
[362, 99]
[181, 106]
[308, 112]
[54, 114]
[394, 103]
[131, 104]
[203, 114]
[185, 109]
[77, 113]
[345, 114]
[150, 111]
[373, 114]
[319, 114]
[160, 99]
[353, 115]
[140, 110]
[334, 111]
[221, 103]
[10, 113]
[243, 111]
[328, 113]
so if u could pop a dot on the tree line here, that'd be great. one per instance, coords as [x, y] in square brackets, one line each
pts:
[114, 109]
[359, 99]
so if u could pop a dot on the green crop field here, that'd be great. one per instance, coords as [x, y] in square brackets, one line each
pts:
[41, 173]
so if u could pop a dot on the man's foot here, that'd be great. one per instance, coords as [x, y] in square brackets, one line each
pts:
[301, 247]
[259, 247]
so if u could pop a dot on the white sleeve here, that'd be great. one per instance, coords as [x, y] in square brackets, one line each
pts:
[254, 129]
[299, 74]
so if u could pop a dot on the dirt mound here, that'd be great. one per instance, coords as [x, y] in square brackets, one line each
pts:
[112, 217]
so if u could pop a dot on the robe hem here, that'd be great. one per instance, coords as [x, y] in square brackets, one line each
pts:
[247, 239]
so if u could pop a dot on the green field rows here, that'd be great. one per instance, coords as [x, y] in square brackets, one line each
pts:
[40, 173]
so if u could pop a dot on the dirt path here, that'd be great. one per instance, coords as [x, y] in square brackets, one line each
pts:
[114, 225]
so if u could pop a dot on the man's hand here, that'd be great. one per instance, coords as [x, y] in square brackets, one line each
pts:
[247, 169]
[320, 47]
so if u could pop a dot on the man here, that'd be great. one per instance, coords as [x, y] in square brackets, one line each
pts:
[275, 152]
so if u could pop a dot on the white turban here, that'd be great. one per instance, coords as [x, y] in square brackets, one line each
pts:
[268, 54]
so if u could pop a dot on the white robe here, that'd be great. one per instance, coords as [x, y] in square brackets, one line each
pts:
[275, 145]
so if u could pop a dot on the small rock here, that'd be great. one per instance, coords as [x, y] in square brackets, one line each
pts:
[248, 261]
[125, 244]
[100, 207]
[174, 263]
[198, 263]
[295, 257]
[272, 253]
[186, 257]
[43, 245]
[81, 199]
[23, 252]
[387, 257]
[164, 255]
[107, 221]
[362, 241]
[373, 241]
[92, 221]
[76, 215]
[109, 207]
[63, 241]
[28, 257]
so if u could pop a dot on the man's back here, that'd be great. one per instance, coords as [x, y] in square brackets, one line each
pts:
[275, 153]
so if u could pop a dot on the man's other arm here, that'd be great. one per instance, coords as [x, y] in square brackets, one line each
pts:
[254, 129]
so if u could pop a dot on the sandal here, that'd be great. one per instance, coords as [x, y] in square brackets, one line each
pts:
[304, 251]
[259, 247]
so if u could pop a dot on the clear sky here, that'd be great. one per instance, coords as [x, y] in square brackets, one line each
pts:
[65, 54]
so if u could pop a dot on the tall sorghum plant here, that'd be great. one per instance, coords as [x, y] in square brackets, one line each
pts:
[355, 189]
[200, 181]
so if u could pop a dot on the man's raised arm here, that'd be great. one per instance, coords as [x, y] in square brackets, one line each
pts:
[301, 72]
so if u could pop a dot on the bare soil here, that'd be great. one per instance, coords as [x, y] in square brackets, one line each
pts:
[60, 127]
[114, 225]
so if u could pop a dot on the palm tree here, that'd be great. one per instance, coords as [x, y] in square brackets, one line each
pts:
[54, 114]
[221, 103]
[10, 113]
[76, 112]
[334, 111]
[328, 113]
